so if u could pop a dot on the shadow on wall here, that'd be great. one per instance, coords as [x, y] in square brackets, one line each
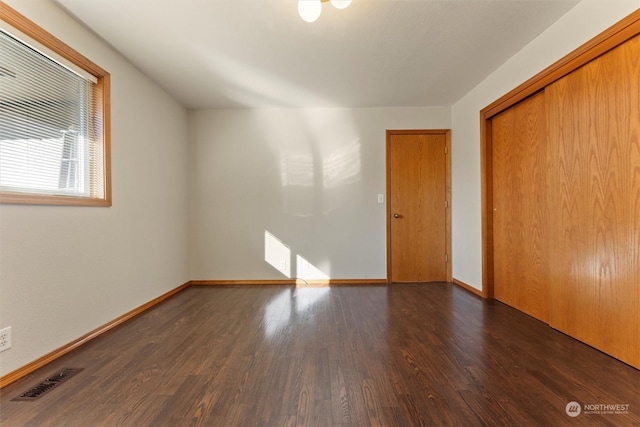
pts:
[302, 169]
[319, 163]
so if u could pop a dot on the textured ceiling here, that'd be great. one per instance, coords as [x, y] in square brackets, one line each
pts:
[375, 53]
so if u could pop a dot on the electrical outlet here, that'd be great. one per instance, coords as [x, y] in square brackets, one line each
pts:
[5, 339]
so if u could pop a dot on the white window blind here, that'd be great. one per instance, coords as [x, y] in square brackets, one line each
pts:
[48, 126]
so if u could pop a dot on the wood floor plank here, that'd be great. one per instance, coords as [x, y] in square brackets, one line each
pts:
[402, 355]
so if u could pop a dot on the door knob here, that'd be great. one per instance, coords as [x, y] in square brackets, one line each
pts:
[396, 215]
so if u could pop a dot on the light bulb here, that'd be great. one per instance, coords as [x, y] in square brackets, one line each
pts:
[340, 4]
[309, 10]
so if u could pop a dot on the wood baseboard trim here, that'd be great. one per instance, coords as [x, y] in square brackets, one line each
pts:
[11, 377]
[468, 288]
[290, 282]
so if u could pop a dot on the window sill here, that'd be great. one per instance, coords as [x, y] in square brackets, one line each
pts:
[40, 199]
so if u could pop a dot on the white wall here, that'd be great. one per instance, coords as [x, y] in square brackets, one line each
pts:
[309, 177]
[586, 20]
[67, 270]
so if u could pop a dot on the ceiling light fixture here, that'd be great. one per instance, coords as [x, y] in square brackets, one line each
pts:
[309, 10]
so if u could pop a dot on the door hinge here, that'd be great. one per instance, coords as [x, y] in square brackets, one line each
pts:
[446, 203]
[446, 150]
[446, 258]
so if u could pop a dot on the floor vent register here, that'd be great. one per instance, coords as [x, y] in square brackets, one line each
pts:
[48, 384]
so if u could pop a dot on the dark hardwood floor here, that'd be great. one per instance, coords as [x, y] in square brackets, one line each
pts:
[401, 355]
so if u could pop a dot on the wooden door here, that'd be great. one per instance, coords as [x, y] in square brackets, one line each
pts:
[417, 189]
[521, 208]
[594, 128]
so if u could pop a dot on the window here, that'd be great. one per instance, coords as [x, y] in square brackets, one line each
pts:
[54, 119]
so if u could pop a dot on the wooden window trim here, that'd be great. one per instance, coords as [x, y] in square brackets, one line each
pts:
[625, 29]
[103, 109]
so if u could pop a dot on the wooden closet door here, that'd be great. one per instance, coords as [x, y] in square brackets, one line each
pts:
[594, 128]
[520, 207]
